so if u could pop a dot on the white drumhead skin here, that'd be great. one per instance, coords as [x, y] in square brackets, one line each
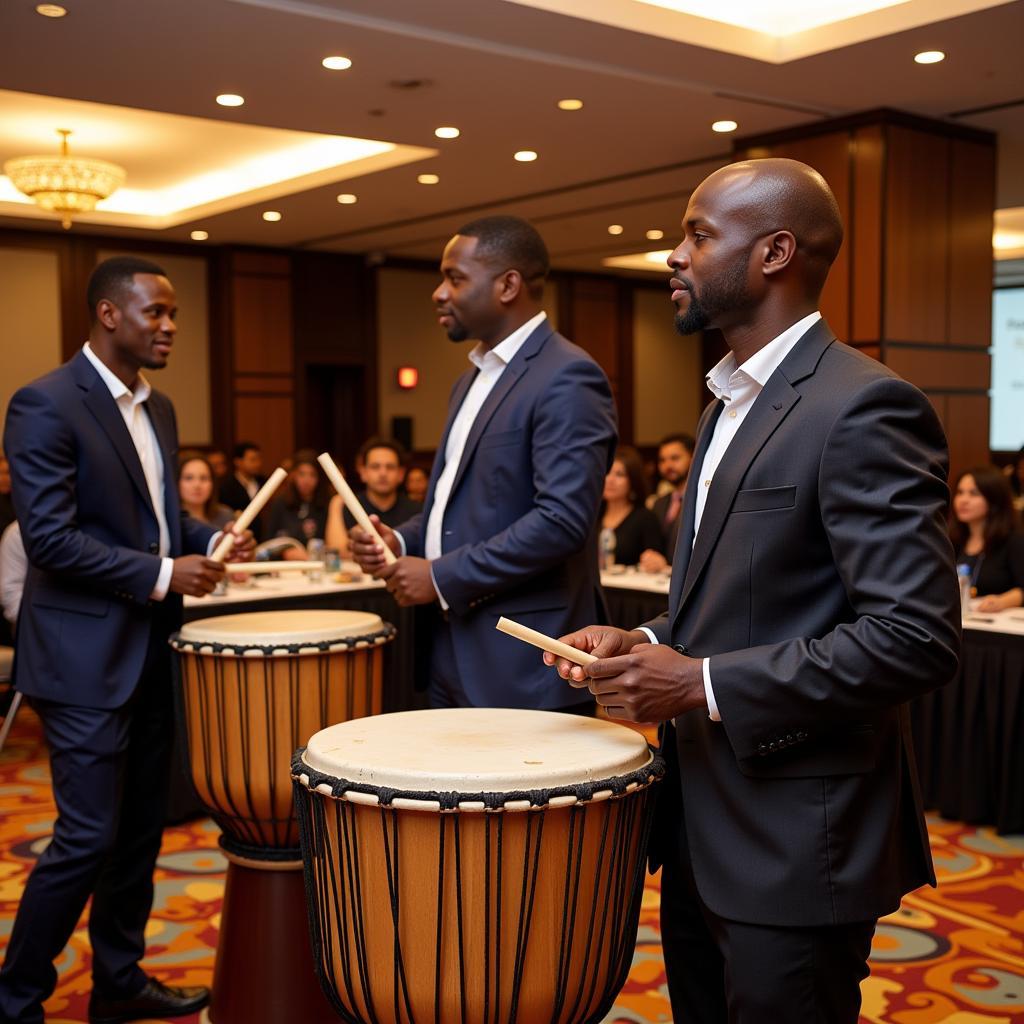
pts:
[278, 629]
[472, 750]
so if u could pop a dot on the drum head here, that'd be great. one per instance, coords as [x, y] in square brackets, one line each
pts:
[473, 750]
[281, 629]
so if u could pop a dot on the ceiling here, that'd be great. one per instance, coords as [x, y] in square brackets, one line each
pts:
[493, 68]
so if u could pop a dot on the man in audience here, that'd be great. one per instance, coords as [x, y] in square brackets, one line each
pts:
[813, 595]
[674, 455]
[110, 556]
[237, 490]
[510, 521]
[218, 465]
[382, 470]
[6, 502]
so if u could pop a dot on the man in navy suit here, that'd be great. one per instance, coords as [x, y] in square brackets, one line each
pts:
[510, 519]
[93, 455]
[813, 595]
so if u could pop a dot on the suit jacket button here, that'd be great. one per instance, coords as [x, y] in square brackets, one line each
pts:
[154, 548]
[762, 749]
[773, 746]
[801, 736]
[789, 740]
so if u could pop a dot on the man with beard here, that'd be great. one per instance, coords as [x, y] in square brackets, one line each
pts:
[675, 453]
[813, 595]
[509, 526]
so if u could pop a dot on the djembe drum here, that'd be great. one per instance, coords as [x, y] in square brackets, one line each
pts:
[252, 688]
[474, 865]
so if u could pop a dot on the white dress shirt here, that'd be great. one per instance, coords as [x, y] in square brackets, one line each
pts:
[491, 365]
[737, 387]
[13, 569]
[136, 419]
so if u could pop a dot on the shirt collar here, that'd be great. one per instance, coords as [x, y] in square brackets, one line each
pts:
[506, 350]
[762, 364]
[117, 387]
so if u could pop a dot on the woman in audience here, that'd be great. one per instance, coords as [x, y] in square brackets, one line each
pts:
[983, 534]
[416, 481]
[196, 491]
[635, 527]
[302, 510]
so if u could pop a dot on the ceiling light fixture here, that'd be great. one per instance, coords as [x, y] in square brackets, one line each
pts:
[525, 156]
[929, 57]
[724, 126]
[230, 99]
[272, 215]
[63, 184]
[347, 199]
[427, 179]
[447, 132]
[570, 104]
[336, 63]
[615, 229]
[199, 236]
[654, 234]
[51, 10]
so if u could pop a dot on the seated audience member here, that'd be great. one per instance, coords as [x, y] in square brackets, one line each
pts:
[381, 468]
[675, 453]
[983, 534]
[237, 490]
[622, 509]
[416, 481]
[219, 464]
[300, 511]
[6, 504]
[196, 490]
[13, 567]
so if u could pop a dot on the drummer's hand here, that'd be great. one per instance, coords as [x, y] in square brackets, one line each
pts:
[601, 641]
[652, 683]
[409, 581]
[367, 551]
[195, 575]
[245, 544]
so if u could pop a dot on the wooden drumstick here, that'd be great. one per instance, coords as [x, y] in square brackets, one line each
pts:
[263, 495]
[352, 503]
[545, 643]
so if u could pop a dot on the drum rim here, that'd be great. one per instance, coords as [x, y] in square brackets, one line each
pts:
[375, 639]
[386, 797]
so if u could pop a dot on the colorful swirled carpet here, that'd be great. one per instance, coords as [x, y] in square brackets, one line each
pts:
[954, 955]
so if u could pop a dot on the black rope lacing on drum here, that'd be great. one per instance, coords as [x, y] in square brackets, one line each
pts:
[605, 843]
[380, 636]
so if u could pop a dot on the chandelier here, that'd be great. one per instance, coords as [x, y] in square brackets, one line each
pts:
[65, 185]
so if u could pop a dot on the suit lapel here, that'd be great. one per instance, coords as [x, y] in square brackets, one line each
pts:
[163, 428]
[462, 386]
[99, 401]
[772, 406]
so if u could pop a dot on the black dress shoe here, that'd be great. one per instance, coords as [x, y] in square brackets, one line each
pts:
[155, 1000]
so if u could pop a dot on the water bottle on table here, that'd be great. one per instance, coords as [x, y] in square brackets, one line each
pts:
[963, 575]
[315, 553]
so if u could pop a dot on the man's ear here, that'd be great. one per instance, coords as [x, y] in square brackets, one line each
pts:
[780, 248]
[108, 314]
[509, 285]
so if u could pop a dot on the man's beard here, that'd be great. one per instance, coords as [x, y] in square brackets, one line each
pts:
[720, 296]
[456, 332]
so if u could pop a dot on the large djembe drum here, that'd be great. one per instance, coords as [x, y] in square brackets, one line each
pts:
[253, 687]
[474, 865]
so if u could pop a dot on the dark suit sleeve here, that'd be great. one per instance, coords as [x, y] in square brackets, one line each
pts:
[43, 467]
[883, 499]
[574, 430]
[195, 536]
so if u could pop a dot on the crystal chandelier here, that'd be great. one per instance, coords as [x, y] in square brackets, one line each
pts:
[65, 185]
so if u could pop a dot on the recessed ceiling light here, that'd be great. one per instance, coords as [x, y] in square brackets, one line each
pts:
[724, 126]
[525, 156]
[51, 10]
[929, 57]
[570, 104]
[447, 132]
[346, 199]
[655, 233]
[230, 99]
[615, 229]
[272, 215]
[199, 236]
[427, 179]
[336, 63]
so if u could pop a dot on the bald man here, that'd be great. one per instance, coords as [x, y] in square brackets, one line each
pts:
[813, 595]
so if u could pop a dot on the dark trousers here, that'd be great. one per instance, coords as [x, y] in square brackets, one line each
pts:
[730, 972]
[110, 780]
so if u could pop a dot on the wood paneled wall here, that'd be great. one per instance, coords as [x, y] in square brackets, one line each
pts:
[912, 285]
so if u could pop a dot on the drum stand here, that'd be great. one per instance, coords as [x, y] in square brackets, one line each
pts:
[264, 968]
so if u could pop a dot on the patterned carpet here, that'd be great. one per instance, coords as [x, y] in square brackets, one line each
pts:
[954, 955]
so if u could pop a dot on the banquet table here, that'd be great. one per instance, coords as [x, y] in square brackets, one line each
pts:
[968, 735]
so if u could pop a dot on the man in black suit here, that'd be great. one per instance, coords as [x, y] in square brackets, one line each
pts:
[675, 453]
[813, 594]
[93, 454]
[238, 489]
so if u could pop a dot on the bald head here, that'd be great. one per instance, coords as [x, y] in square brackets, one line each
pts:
[766, 196]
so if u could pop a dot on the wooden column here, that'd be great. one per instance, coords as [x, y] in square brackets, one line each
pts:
[912, 285]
